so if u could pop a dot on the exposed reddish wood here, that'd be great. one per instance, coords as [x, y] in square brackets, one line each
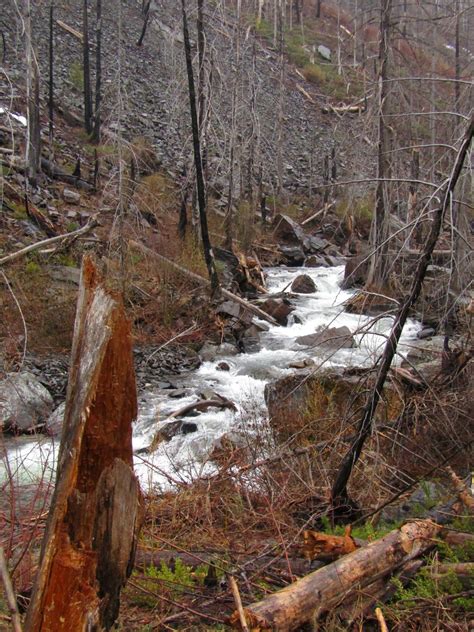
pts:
[89, 543]
[320, 591]
[323, 546]
[462, 490]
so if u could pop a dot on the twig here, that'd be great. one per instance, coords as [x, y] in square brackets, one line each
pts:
[238, 603]
[381, 619]
[11, 600]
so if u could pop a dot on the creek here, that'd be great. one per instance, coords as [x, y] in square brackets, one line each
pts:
[185, 456]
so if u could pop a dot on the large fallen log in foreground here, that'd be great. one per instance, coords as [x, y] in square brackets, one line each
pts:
[317, 593]
[91, 533]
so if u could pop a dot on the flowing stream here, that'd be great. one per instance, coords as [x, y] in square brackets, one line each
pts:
[184, 456]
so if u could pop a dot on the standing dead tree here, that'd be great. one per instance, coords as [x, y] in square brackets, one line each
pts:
[339, 490]
[201, 192]
[88, 113]
[89, 544]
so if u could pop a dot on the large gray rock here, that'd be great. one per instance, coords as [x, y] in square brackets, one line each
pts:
[293, 255]
[329, 337]
[313, 244]
[286, 229]
[307, 406]
[303, 284]
[25, 404]
[209, 351]
[54, 424]
[356, 271]
[71, 197]
[324, 52]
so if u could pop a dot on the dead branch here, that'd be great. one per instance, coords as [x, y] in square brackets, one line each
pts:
[9, 593]
[48, 242]
[70, 30]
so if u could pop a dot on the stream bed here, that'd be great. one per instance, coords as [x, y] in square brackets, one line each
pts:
[184, 456]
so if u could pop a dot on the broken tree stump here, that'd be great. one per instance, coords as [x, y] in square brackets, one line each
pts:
[90, 539]
[318, 592]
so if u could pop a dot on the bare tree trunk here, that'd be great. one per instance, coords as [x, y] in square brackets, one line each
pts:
[201, 193]
[98, 74]
[379, 264]
[339, 490]
[318, 8]
[146, 12]
[91, 534]
[87, 70]
[51, 80]
[33, 137]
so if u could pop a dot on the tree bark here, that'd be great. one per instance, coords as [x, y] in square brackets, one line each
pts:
[201, 193]
[318, 592]
[89, 544]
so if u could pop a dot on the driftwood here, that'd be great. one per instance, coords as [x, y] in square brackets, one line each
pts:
[90, 539]
[308, 598]
[203, 404]
[199, 279]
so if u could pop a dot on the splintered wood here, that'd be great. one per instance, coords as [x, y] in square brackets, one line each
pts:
[89, 545]
[329, 547]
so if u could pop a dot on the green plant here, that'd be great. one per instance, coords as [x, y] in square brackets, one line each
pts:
[76, 75]
[32, 268]
[180, 577]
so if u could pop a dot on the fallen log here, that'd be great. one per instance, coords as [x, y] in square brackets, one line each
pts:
[90, 539]
[55, 172]
[199, 279]
[308, 598]
[203, 404]
[48, 242]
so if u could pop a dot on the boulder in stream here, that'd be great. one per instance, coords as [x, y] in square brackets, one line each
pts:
[279, 308]
[329, 337]
[25, 404]
[303, 284]
[309, 407]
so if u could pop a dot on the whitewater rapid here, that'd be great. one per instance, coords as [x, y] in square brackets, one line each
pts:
[185, 456]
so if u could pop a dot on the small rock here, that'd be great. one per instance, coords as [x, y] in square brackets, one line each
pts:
[71, 197]
[303, 284]
[426, 332]
[223, 366]
[278, 308]
[316, 261]
[178, 393]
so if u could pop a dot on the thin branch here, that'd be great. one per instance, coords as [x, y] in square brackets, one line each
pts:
[11, 600]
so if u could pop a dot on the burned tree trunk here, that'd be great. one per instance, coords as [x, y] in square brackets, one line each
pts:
[87, 71]
[90, 539]
[318, 592]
